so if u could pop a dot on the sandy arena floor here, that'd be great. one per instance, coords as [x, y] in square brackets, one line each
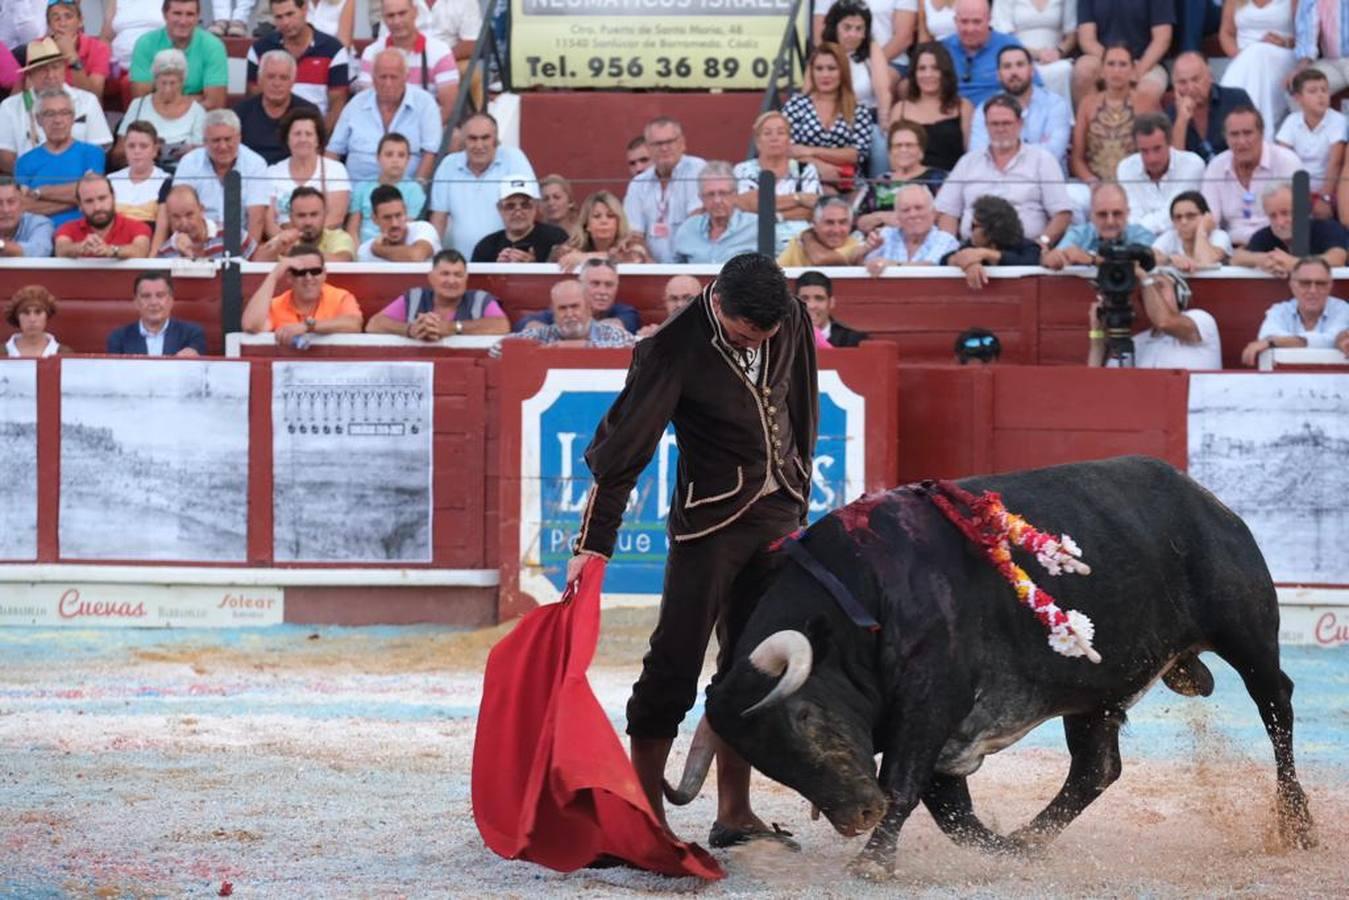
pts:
[297, 762]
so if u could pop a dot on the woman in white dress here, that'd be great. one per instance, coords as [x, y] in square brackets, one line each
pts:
[1048, 29]
[124, 21]
[305, 136]
[1259, 39]
[936, 20]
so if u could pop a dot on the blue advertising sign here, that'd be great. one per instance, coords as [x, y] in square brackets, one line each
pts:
[558, 423]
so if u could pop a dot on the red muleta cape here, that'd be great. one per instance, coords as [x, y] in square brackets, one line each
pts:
[551, 781]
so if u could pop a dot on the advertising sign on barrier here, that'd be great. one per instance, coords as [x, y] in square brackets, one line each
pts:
[703, 44]
[140, 605]
[557, 424]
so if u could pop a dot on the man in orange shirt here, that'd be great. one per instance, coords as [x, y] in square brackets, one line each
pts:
[311, 306]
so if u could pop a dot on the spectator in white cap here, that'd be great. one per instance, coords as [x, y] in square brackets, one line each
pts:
[524, 239]
[399, 240]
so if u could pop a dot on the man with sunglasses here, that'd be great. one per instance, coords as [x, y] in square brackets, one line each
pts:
[524, 239]
[309, 306]
[1235, 178]
[1109, 222]
[1311, 318]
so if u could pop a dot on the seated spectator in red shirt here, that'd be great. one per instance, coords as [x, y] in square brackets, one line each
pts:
[101, 231]
[446, 308]
[90, 58]
[311, 306]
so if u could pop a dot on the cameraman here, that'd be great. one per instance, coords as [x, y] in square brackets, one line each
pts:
[1109, 222]
[1180, 337]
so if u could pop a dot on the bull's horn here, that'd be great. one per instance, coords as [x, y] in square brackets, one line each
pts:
[699, 761]
[785, 653]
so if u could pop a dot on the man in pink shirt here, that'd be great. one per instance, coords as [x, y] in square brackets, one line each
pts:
[1236, 178]
[444, 309]
[431, 65]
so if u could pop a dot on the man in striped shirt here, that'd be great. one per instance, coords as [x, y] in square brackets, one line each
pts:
[322, 66]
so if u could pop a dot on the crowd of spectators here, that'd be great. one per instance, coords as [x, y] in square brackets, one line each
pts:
[925, 132]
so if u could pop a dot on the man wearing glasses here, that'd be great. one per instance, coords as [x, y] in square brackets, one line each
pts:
[50, 172]
[1311, 318]
[1235, 178]
[20, 128]
[662, 197]
[310, 306]
[524, 239]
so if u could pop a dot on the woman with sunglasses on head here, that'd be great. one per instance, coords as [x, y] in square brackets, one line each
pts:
[830, 129]
[932, 100]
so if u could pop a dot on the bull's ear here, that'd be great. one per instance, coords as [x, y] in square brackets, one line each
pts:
[819, 632]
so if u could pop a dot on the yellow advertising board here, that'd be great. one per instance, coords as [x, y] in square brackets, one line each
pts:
[703, 44]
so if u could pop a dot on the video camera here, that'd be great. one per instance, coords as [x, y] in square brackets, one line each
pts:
[1116, 282]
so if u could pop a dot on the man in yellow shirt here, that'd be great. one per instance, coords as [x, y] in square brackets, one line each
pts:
[829, 241]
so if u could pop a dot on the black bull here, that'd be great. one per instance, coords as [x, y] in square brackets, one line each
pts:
[959, 669]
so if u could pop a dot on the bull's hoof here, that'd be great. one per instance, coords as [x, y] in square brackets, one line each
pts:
[1296, 829]
[1030, 841]
[871, 867]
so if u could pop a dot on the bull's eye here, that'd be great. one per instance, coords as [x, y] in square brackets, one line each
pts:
[803, 715]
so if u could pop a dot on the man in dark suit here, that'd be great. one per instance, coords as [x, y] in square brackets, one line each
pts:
[154, 333]
[816, 290]
[734, 371]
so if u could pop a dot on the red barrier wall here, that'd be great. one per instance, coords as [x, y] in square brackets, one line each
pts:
[1039, 318]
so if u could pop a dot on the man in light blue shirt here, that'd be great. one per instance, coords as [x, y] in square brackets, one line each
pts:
[917, 241]
[204, 169]
[722, 230]
[467, 185]
[662, 197]
[974, 49]
[21, 233]
[1046, 120]
[1109, 222]
[393, 106]
[1312, 318]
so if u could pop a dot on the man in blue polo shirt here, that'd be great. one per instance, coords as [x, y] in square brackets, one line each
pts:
[467, 184]
[393, 105]
[974, 49]
[50, 171]
[322, 73]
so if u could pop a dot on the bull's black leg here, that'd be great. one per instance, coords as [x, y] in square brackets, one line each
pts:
[948, 799]
[1272, 692]
[1093, 741]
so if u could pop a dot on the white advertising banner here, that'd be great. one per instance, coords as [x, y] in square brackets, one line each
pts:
[1273, 447]
[85, 605]
[154, 460]
[351, 461]
[18, 459]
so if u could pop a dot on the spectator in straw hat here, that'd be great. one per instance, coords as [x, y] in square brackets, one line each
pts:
[20, 129]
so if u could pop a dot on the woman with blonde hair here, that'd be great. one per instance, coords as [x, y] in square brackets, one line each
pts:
[601, 232]
[796, 186]
[557, 204]
[29, 310]
[830, 129]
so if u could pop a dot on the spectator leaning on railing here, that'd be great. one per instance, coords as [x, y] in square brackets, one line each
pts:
[446, 307]
[916, 240]
[205, 169]
[996, 239]
[1269, 249]
[830, 240]
[1311, 318]
[310, 306]
[1109, 222]
[573, 324]
[192, 235]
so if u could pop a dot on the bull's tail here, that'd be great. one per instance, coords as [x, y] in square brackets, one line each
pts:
[1188, 676]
